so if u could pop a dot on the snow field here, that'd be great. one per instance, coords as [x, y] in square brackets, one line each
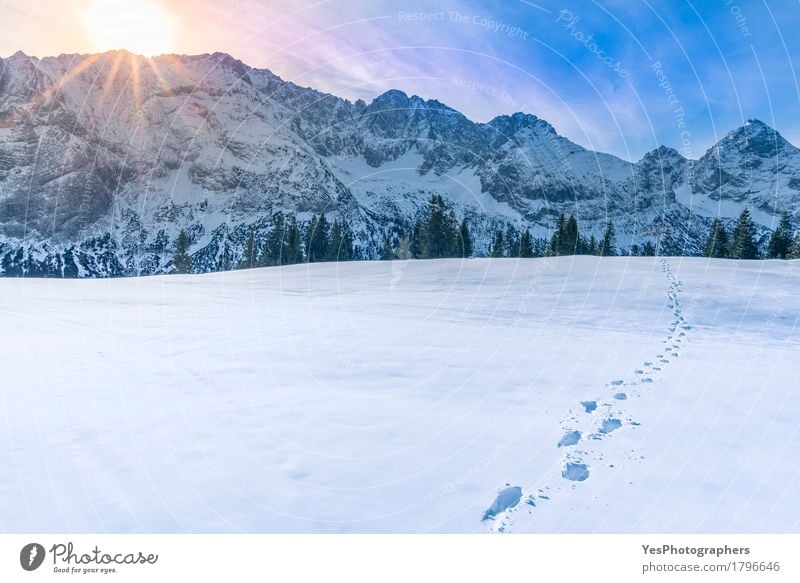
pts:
[592, 395]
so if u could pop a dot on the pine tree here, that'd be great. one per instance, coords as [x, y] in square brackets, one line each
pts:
[498, 248]
[160, 243]
[465, 238]
[226, 257]
[310, 229]
[591, 246]
[794, 249]
[557, 241]
[608, 246]
[433, 229]
[250, 255]
[70, 269]
[512, 242]
[743, 239]
[717, 243]
[582, 248]
[340, 245]
[648, 249]
[181, 260]
[781, 240]
[570, 237]
[347, 248]
[334, 241]
[526, 244]
[284, 245]
[272, 251]
[293, 242]
[416, 239]
[453, 231]
[317, 239]
[566, 239]
[438, 230]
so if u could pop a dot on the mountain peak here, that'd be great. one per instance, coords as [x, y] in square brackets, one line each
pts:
[19, 56]
[756, 123]
[395, 99]
[391, 96]
[753, 127]
[224, 59]
[660, 154]
[754, 137]
[511, 124]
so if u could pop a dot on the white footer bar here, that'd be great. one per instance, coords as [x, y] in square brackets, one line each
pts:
[401, 558]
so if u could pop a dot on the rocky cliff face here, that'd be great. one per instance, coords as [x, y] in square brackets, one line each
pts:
[103, 158]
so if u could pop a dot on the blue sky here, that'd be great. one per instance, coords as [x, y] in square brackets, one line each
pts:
[613, 75]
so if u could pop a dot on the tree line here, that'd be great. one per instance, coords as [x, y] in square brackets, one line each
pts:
[437, 233]
[287, 242]
[565, 240]
[742, 241]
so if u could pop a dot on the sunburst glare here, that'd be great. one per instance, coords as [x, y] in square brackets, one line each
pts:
[141, 27]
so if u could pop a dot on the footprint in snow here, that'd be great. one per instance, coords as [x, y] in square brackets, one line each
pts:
[570, 438]
[610, 425]
[506, 498]
[575, 472]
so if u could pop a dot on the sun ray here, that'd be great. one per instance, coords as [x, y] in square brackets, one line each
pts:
[57, 85]
[162, 81]
[178, 65]
[111, 76]
[135, 83]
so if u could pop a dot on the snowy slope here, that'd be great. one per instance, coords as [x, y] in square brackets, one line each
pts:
[403, 396]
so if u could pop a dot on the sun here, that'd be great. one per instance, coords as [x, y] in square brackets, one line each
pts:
[140, 26]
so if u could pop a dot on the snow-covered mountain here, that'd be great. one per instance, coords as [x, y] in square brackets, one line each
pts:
[103, 158]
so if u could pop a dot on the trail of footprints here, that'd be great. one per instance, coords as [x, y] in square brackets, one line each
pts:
[593, 421]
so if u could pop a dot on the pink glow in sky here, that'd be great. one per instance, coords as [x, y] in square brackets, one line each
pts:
[482, 58]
